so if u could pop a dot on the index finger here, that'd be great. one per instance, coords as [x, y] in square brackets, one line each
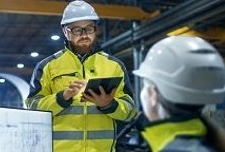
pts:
[102, 91]
[113, 92]
[80, 82]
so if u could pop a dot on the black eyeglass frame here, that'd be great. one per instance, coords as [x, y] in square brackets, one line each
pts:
[82, 30]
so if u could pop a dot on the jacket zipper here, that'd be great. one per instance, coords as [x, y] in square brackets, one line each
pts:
[82, 59]
[83, 71]
[85, 115]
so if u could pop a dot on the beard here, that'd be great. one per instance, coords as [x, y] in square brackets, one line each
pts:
[82, 48]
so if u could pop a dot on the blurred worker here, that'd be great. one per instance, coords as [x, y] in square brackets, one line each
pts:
[180, 75]
[81, 122]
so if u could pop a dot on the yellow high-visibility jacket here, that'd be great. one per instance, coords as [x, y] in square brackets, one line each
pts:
[182, 133]
[80, 126]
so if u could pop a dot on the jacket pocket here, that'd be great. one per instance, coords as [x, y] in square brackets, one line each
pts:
[62, 78]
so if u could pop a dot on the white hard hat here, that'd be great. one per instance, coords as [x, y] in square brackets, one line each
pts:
[186, 70]
[78, 11]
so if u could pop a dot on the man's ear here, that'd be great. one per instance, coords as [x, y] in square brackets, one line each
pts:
[153, 95]
[65, 32]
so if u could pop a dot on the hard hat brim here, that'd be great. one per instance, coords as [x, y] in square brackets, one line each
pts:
[138, 73]
[68, 21]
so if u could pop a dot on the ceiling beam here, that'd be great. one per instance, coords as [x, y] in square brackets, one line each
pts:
[192, 12]
[55, 8]
[211, 33]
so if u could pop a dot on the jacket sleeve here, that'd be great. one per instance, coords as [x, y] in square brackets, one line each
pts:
[40, 96]
[123, 106]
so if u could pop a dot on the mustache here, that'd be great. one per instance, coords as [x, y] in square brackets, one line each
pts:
[84, 39]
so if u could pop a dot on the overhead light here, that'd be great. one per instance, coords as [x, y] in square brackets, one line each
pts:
[2, 80]
[34, 54]
[55, 37]
[20, 65]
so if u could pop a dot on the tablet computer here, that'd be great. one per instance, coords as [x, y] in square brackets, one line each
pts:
[107, 83]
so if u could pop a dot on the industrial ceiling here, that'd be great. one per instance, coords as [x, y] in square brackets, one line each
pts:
[26, 26]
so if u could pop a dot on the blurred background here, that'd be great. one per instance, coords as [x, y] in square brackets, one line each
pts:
[30, 31]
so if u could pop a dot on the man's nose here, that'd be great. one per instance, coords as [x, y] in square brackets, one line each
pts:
[83, 31]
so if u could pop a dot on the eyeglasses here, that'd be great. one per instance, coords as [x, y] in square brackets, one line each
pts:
[80, 30]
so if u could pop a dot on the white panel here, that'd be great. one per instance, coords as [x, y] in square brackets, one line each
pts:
[25, 130]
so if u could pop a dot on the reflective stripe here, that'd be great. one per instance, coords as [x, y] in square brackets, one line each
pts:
[79, 110]
[72, 110]
[126, 98]
[33, 102]
[130, 107]
[78, 135]
[93, 110]
[68, 135]
[102, 134]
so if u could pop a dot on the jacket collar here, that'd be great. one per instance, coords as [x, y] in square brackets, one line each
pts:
[161, 133]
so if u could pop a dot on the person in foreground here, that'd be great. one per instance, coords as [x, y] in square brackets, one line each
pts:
[180, 75]
[82, 122]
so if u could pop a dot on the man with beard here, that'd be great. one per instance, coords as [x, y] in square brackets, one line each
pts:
[81, 122]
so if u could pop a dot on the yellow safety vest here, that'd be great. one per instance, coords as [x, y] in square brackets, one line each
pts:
[80, 126]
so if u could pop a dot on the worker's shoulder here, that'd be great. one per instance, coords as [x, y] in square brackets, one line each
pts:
[102, 53]
[58, 54]
[50, 58]
[110, 57]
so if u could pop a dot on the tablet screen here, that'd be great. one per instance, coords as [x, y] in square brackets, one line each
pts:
[107, 83]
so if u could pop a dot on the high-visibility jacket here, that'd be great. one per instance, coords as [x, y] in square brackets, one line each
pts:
[80, 126]
[181, 134]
